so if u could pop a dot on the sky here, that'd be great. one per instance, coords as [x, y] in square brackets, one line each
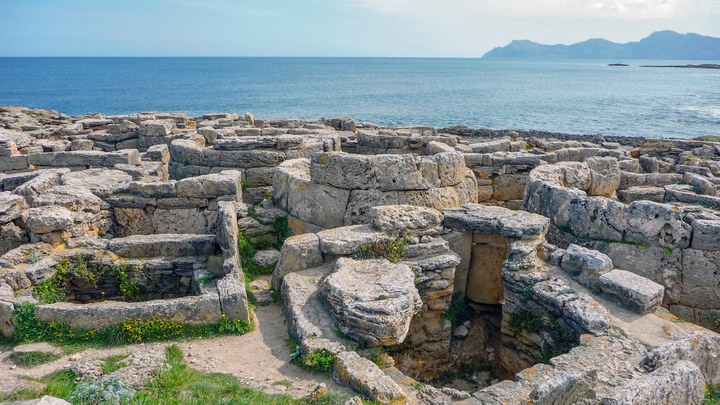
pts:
[383, 28]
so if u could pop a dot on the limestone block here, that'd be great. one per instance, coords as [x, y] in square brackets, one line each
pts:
[701, 184]
[318, 204]
[701, 279]
[477, 218]
[259, 176]
[657, 224]
[299, 252]
[705, 234]
[586, 265]
[372, 300]
[679, 383]
[225, 183]
[596, 218]
[365, 377]
[451, 168]
[156, 128]
[660, 265]
[576, 175]
[360, 202]
[346, 240]
[485, 282]
[485, 193]
[404, 217]
[604, 176]
[163, 245]
[509, 187]
[250, 158]
[183, 221]
[158, 153]
[656, 194]
[49, 219]
[156, 189]
[246, 142]
[232, 294]
[12, 206]
[586, 314]
[227, 229]
[343, 170]
[89, 123]
[290, 171]
[39, 184]
[102, 182]
[638, 293]
[133, 221]
[630, 165]
[198, 310]
[267, 257]
[551, 201]
[11, 236]
[499, 145]
[399, 172]
[7, 318]
[434, 147]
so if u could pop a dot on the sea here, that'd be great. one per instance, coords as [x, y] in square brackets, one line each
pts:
[566, 96]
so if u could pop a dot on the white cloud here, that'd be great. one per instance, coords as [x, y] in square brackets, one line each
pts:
[468, 9]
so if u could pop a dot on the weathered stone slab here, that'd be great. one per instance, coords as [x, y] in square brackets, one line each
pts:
[11, 206]
[163, 245]
[156, 128]
[348, 239]
[638, 293]
[705, 234]
[404, 217]
[199, 310]
[232, 294]
[299, 252]
[604, 176]
[585, 264]
[372, 300]
[318, 204]
[657, 224]
[343, 170]
[365, 377]
[477, 218]
[49, 219]
[225, 183]
[680, 383]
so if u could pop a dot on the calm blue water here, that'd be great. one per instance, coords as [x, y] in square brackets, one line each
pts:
[584, 97]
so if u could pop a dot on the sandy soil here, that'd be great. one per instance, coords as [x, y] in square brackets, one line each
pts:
[260, 359]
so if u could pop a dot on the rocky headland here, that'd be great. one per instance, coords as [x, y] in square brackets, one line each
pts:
[498, 267]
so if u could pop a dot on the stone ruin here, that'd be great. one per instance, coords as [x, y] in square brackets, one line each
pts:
[588, 267]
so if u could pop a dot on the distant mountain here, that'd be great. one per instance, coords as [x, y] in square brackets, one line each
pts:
[659, 45]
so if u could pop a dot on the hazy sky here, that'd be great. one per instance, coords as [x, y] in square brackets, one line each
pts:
[438, 28]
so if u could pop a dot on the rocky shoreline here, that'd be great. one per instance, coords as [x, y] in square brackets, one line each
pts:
[580, 269]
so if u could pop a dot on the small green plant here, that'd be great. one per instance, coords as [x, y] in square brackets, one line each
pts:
[107, 390]
[712, 394]
[321, 362]
[31, 255]
[186, 162]
[391, 249]
[204, 280]
[668, 251]
[566, 291]
[32, 359]
[243, 186]
[528, 292]
[83, 268]
[525, 320]
[284, 383]
[563, 341]
[381, 297]
[458, 312]
[29, 329]
[113, 363]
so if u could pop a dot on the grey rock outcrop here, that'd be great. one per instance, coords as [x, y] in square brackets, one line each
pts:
[372, 300]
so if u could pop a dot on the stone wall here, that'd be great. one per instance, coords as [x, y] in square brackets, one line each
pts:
[669, 244]
[254, 156]
[334, 189]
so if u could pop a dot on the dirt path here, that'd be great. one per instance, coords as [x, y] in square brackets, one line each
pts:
[260, 359]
